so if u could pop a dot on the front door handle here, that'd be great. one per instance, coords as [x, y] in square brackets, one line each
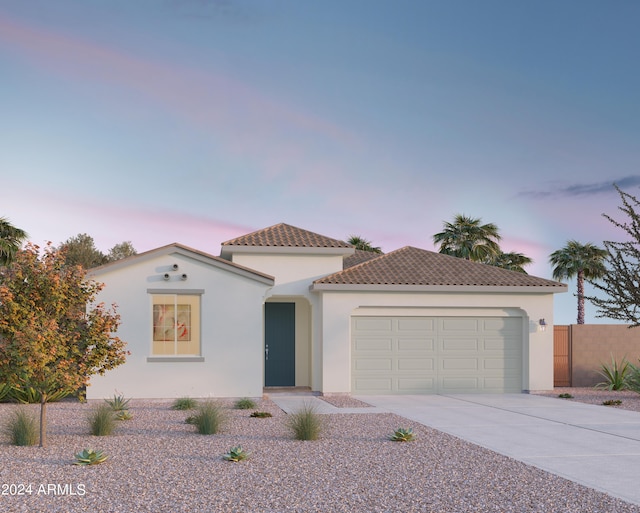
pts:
[266, 351]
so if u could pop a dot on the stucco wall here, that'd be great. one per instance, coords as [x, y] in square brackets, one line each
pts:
[594, 344]
[232, 342]
[337, 308]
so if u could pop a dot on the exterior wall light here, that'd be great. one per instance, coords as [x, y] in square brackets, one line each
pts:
[543, 325]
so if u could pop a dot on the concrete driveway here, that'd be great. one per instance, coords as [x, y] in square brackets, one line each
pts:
[595, 446]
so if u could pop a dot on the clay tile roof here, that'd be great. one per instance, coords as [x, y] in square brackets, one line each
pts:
[413, 266]
[284, 235]
[358, 257]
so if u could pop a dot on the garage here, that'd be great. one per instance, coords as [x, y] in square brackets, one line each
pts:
[436, 355]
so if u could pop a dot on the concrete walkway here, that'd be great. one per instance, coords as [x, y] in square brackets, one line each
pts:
[595, 446]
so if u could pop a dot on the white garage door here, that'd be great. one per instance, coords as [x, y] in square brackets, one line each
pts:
[423, 355]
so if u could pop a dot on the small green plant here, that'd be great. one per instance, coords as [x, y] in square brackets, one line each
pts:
[612, 402]
[123, 415]
[22, 428]
[633, 378]
[305, 423]
[90, 457]
[209, 418]
[191, 419]
[118, 403]
[565, 396]
[29, 395]
[184, 403]
[101, 420]
[402, 435]
[261, 414]
[244, 404]
[236, 454]
[615, 376]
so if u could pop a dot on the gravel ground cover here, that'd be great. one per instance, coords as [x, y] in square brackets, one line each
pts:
[157, 463]
[630, 400]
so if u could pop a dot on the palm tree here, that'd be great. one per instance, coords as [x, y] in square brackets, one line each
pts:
[363, 244]
[511, 261]
[11, 239]
[467, 238]
[586, 261]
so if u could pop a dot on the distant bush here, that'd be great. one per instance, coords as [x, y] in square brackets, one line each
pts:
[305, 423]
[615, 375]
[244, 404]
[209, 418]
[118, 403]
[261, 414]
[22, 428]
[101, 420]
[184, 403]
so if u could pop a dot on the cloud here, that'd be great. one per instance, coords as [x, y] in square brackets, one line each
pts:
[584, 189]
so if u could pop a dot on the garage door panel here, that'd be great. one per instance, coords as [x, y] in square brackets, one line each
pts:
[416, 323]
[374, 344]
[423, 364]
[498, 344]
[414, 386]
[456, 384]
[455, 364]
[373, 364]
[449, 324]
[436, 355]
[373, 324]
[460, 344]
[512, 364]
[415, 344]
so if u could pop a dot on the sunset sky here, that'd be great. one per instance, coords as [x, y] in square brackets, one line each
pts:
[195, 121]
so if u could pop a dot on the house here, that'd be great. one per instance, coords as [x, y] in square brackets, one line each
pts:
[285, 307]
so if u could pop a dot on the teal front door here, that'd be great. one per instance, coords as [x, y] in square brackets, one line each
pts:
[279, 344]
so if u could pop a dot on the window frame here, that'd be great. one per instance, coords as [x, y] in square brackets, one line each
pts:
[196, 324]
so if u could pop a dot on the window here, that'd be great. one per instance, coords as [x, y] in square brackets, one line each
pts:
[176, 325]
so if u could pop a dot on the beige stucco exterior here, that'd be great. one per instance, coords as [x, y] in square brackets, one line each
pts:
[233, 294]
[338, 307]
[231, 361]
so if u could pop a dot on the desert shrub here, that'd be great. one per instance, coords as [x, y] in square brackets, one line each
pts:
[123, 415]
[118, 403]
[184, 403]
[22, 428]
[402, 435]
[244, 404]
[261, 414]
[305, 423]
[29, 395]
[208, 419]
[90, 457]
[236, 454]
[633, 378]
[615, 376]
[101, 420]
[612, 402]
[565, 396]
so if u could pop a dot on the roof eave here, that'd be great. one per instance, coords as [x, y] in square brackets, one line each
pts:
[228, 250]
[341, 287]
[189, 253]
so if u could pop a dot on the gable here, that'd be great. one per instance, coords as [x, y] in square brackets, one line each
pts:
[181, 251]
[413, 268]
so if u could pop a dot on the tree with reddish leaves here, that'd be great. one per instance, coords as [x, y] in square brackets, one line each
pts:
[53, 336]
